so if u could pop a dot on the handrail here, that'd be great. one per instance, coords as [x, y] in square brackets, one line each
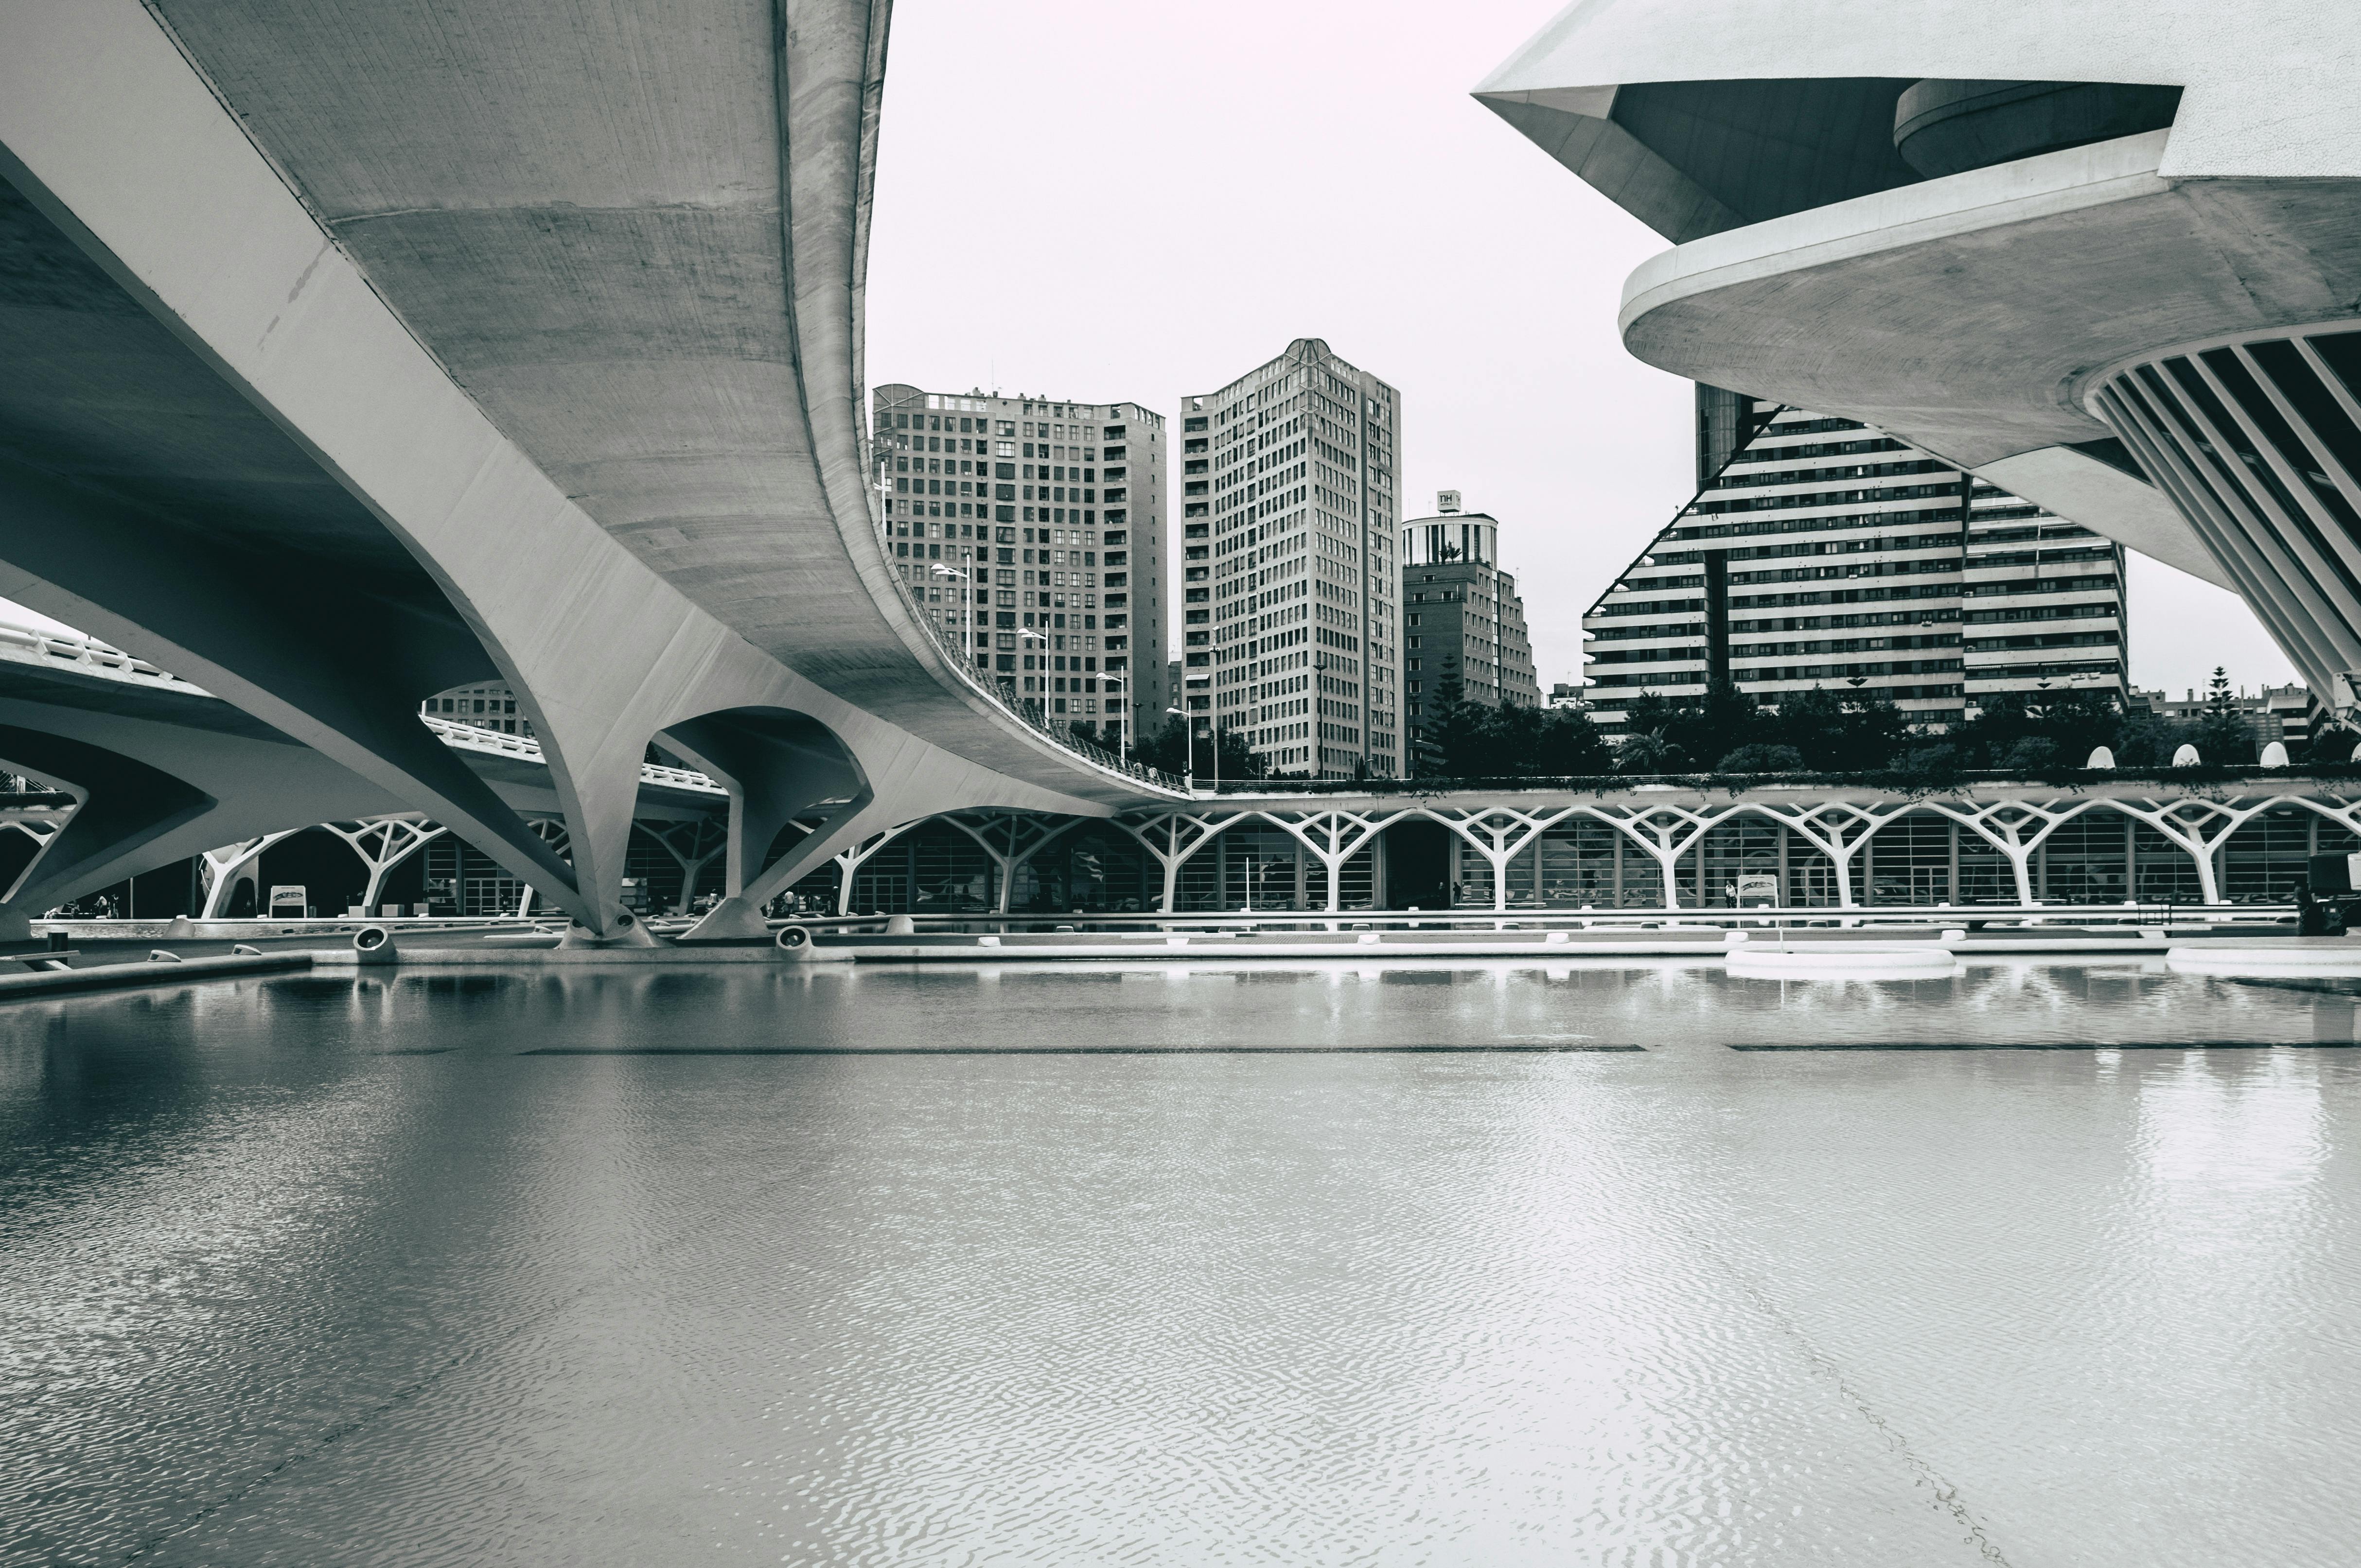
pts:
[1885, 781]
[91, 652]
[1004, 693]
[88, 651]
[1539, 917]
[469, 737]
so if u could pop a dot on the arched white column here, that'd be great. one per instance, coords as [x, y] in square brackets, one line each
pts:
[222, 867]
[383, 843]
[1333, 837]
[2197, 827]
[1172, 836]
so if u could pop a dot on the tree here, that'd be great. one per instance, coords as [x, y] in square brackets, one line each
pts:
[1465, 739]
[1170, 750]
[2037, 731]
[1758, 757]
[2223, 735]
[1724, 718]
[1648, 751]
[1476, 742]
[1813, 724]
[2331, 741]
[1568, 745]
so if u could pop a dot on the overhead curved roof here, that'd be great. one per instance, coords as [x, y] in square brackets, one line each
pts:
[635, 239]
[1714, 114]
[1965, 313]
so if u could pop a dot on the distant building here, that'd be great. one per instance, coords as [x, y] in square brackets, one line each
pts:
[2296, 710]
[1821, 553]
[1569, 693]
[484, 706]
[1463, 631]
[1054, 513]
[2276, 713]
[1290, 615]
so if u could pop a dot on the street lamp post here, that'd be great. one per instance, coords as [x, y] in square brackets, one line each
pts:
[1122, 714]
[1030, 635]
[1188, 750]
[967, 612]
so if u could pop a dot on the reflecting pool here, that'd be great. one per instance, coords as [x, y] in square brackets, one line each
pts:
[1160, 1264]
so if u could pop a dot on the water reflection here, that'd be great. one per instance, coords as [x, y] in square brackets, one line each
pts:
[340, 1260]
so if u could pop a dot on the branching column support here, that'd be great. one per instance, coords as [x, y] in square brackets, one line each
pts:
[1664, 833]
[2199, 826]
[851, 860]
[222, 869]
[383, 843]
[1333, 837]
[42, 834]
[1499, 835]
[692, 842]
[554, 833]
[2017, 829]
[1840, 829]
[1172, 836]
[1010, 839]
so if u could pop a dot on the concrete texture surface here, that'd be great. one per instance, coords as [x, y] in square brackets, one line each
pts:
[358, 350]
[1974, 314]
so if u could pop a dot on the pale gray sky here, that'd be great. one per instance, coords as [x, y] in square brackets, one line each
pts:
[1136, 201]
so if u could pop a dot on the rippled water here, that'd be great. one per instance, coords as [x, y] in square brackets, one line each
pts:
[331, 1270]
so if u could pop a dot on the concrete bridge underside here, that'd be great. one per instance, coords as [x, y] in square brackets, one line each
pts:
[161, 772]
[351, 350]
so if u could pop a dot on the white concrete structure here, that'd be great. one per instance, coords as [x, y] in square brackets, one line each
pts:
[1621, 844]
[351, 352]
[2103, 254]
[162, 770]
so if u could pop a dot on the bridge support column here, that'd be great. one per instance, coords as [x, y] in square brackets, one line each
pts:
[382, 845]
[181, 796]
[226, 866]
[740, 913]
[777, 766]
[125, 805]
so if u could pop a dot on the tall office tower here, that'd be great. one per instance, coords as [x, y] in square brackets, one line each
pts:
[1463, 622]
[1821, 553]
[1032, 533]
[1291, 610]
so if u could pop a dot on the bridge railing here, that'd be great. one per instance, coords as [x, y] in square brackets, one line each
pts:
[72, 649]
[471, 737]
[1892, 781]
[1004, 691]
[2062, 919]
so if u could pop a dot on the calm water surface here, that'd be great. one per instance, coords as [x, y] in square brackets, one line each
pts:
[316, 1270]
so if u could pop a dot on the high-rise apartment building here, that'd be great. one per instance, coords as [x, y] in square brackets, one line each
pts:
[1463, 622]
[1291, 611]
[1031, 531]
[1821, 553]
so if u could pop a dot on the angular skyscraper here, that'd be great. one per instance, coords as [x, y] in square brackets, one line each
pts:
[1291, 610]
[1044, 521]
[1821, 553]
